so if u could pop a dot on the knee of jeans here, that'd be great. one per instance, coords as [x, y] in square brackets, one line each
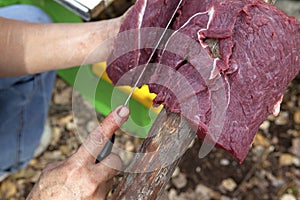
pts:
[29, 95]
[25, 88]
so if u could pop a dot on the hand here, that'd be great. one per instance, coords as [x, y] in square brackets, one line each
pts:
[79, 177]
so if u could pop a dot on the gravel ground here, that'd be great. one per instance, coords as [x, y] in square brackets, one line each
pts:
[271, 170]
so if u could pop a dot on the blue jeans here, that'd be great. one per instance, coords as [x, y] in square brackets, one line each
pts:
[24, 103]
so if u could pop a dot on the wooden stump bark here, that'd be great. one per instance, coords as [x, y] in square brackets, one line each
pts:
[151, 170]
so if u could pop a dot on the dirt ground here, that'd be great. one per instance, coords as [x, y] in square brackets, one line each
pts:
[270, 171]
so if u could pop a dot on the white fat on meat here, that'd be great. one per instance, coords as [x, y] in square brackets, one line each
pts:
[276, 109]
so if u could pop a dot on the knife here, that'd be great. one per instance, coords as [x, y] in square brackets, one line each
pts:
[152, 54]
[108, 146]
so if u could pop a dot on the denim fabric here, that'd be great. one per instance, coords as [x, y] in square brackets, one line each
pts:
[27, 13]
[24, 104]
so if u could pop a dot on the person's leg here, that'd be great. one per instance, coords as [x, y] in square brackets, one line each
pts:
[26, 13]
[24, 104]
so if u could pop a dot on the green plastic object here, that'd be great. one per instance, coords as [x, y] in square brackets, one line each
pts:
[141, 118]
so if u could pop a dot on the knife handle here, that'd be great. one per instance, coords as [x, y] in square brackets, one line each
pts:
[107, 149]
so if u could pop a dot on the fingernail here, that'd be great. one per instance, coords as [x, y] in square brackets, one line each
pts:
[123, 112]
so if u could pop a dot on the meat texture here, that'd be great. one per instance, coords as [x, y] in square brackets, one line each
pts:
[257, 56]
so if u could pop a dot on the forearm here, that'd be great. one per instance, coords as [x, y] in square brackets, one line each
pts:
[32, 48]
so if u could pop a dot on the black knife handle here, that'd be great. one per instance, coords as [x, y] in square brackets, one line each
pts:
[107, 149]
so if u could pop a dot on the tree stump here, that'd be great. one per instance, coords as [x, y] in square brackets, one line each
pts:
[169, 138]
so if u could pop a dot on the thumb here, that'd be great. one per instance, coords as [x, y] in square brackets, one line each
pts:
[96, 140]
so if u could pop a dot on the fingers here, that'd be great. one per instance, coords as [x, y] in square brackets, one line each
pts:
[110, 165]
[95, 142]
[104, 189]
[105, 171]
[51, 166]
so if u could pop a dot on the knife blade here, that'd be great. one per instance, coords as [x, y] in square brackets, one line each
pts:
[152, 54]
[108, 146]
